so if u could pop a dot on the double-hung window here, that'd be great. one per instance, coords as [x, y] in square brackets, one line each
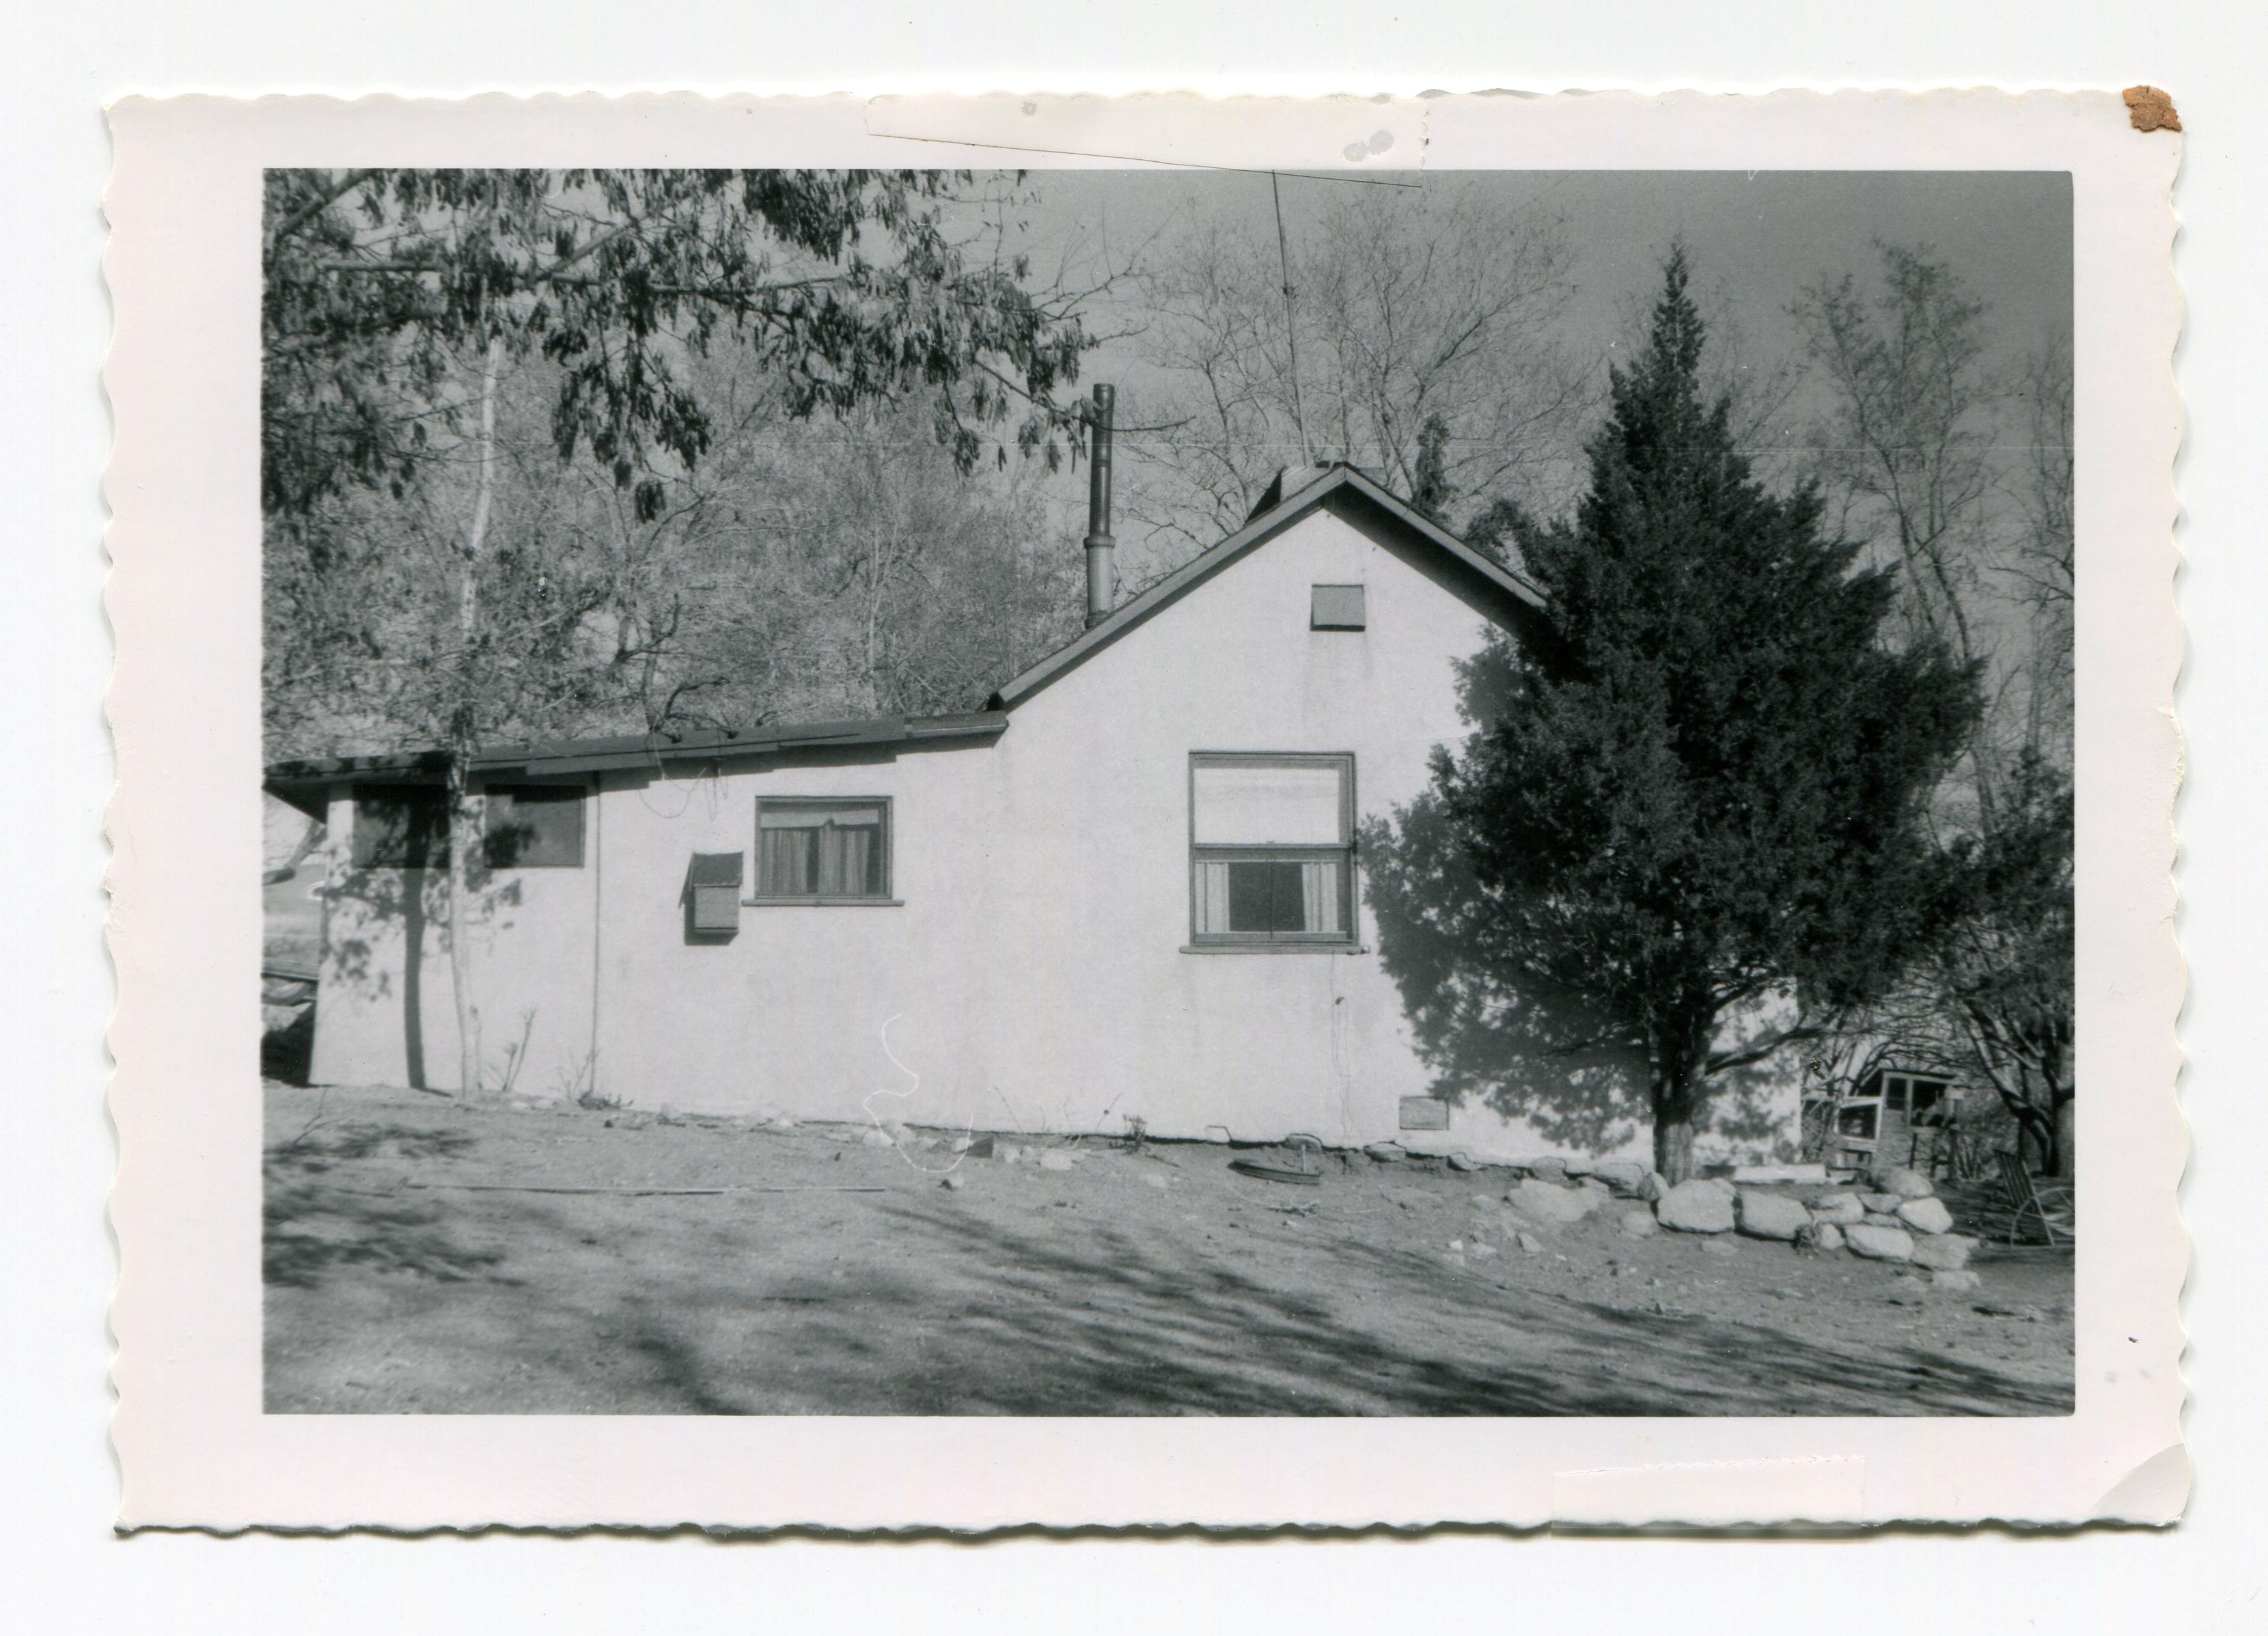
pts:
[1271, 849]
[822, 851]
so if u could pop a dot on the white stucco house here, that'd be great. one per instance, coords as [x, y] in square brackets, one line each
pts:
[1129, 889]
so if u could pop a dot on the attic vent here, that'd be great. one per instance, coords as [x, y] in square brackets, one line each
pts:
[1337, 607]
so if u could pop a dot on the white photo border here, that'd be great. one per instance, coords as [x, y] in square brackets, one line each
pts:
[184, 600]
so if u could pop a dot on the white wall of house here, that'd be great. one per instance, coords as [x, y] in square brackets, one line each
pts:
[1032, 972]
[383, 1017]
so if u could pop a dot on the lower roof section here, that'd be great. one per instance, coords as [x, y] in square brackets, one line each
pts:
[305, 784]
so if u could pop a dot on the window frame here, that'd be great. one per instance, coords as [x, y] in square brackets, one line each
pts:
[558, 789]
[1349, 936]
[884, 899]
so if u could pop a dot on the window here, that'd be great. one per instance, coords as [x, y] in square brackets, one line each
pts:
[1337, 607]
[400, 826]
[1859, 1121]
[1894, 1094]
[822, 851]
[533, 826]
[1271, 849]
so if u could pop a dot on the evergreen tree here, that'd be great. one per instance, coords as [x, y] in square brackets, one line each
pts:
[1715, 788]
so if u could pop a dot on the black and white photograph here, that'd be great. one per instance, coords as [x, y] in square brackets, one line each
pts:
[1178, 790]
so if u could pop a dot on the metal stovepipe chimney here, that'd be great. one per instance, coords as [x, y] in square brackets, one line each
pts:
[1101, 550]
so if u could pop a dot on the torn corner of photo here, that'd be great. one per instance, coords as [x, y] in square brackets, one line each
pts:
[1039, 931]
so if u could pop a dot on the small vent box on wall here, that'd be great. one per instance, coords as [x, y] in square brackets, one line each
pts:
[1424, 1113]
[712, 893]
[1337, 607]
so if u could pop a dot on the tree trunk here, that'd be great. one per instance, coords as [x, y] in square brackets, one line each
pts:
[1677, 1103]
[464, 822]
[2036, 1130]
[464, 838]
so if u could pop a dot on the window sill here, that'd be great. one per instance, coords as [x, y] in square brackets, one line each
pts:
[822, 902]
[1274, 948]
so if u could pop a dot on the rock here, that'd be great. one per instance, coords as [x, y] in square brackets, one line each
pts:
[1827, 1235]
[1639, 1224]
[1879, 1204]
[1766, 1174]
[1386, 1152]
[1626, 1176]
[1953, 1280]
[1057, 1158]
[1876, 1242]
[1549, 1169]
[1654, 1188]
[1009, 1154]
[1697, 1207]
[1995, 1310]
[1158, 1180]
[1596, 1185]
[873, 1137]
[1904, 1182]
[1928, 1215]
[1531, 1244]
[1842, 1209]
[1481, 1249]
[1462, 1161]
[954, 1182]
[982, 1147]
[1456, 1247]
[1771, 1215]
[1719, 1247]
[1946, 1252]
[1558, 1206]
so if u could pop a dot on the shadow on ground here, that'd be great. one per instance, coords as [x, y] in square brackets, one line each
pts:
[314, 1226]
[1119, 1331]
[1029, 1294]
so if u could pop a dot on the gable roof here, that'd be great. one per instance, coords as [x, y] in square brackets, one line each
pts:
[1338, 488]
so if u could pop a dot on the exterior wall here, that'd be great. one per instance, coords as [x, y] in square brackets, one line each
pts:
[789, 1015]
[1110, 1017]
[385, 1013]
[1033, 974]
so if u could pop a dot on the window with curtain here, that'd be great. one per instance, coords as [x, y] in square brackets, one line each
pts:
[1271, 849]
[822, 851]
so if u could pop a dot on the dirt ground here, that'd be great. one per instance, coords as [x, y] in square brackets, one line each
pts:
[1154, 1281]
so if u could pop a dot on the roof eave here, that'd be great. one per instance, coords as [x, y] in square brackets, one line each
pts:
[570, 757]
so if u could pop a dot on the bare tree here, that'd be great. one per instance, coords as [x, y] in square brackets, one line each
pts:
[1908, 441]
[1429, 303]
[2039, 564]
[1970, 483]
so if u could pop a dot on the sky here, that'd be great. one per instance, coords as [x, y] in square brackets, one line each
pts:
[1754, 241]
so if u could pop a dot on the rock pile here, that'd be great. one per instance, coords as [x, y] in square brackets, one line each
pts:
[1898, 1218]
